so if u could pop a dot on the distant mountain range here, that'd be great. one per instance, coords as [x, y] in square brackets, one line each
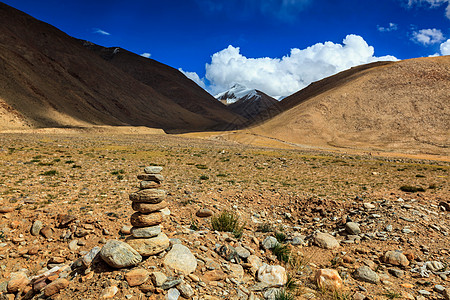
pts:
[49, 79]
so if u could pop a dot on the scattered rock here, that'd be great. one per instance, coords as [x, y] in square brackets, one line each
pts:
[65, 220]
[328, 279]
[109, 292]
[269, 242]
[173, 294]
[153, 169]
[272, 275]
[214, 275]
[326, 241]
[18, 281]
[352, 228]
[158, 278]
[185, 290]
[204, 213]
[447, 294]
[36, 228]
[181, 258]
[242, 252]
[366, 274]
[6, 209]
[55, 286]
[137, 277]
[47, 232]
[395, 258]
[118, 254]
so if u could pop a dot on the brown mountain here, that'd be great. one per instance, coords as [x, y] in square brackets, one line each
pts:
[397, 106]
[48, 79]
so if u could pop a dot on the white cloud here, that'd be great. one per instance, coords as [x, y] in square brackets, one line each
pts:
[428, 36]
[432, 4]
[194, 77]
[281, 77]
[445, 48]
[100, 31]
[146, 55]
[391, 27]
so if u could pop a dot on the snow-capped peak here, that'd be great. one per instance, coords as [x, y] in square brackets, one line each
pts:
[237, 92]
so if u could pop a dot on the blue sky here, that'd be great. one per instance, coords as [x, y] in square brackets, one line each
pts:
[195, 35]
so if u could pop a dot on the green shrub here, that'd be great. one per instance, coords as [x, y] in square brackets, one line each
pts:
[50, 173]
[280, 236]
[264, 227]
[201, 167]
[204, 177]
[284, 295]
[282, 252]
[227, 222]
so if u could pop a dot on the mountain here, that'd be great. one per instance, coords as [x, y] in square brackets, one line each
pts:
[395, 106]
[247, 102]
[49, 79]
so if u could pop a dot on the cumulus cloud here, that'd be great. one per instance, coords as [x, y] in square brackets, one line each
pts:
[194, 77]
[100, 31]
[281, 77]
[445, 48]
[391, 27]
[432, 4]
[428, 37]
[146, 55]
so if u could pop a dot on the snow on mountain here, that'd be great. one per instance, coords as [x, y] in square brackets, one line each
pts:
[238, 92]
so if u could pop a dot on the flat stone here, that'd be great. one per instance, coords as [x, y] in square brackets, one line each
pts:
[64, 220]
[181, 258]
[168, 284]
[137, 277]
[146, 232]
[272, 275]
[18, 281]
[153, 169]
[149, 246]
[397, 273]
[269, 242]
[6, 209]
[146, 208]
[325, 240]
[214, 275]
[434, 266]
[173, 294]
[148, 196]
[73, 245]
[146, 220]
[158, 278]
[368, 205]
[237, 271]
[149, 185]
[118, 254]
[185, 290]
[126, 229]
[328, 279]
[447, 294]
[55, 286]
[36, 228]
[242, 252]
[204, 213]
[366, 274]
[352, 228]
[109, 292]
[395, 258]
[89, 257]
[47, 232]
[151, 177]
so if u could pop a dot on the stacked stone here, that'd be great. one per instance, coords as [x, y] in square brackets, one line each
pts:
[147, 238]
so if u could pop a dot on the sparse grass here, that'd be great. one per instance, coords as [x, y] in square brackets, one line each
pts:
[284, 295]
[280, 236]
[204, 177]
[50, 173]
[117, 172]
[194, 224]
[264, 227]
[291, 283]
[69, 162]
[120, 177]
[282, 252]
[411, 189]
[420, 176]
[227, 222]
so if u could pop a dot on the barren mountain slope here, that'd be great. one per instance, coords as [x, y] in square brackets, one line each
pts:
[167, 81]
[49, 79]
[402, 106]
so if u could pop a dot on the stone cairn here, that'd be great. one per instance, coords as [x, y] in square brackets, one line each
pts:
[146, 235]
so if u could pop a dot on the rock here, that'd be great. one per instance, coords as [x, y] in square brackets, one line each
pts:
[152, 196]
[145, 220]
[153, 169]
[395, 258]
[181, 258]
[158, 278]
[90, 256]
[65, 220]
[36, 228]
[165, 212]
[439, 288]
[204, 213]
[173, 294]
[118, 254]
[298, 240]
[214, 275]
[171, 283]
[368, 205]
[366, 274]
[126, 229]
[424, 292]
[269, 242]
[147, 208]
[137, 277]
[6, 209]
[352, 228]
[109, 292]
[272, 275]
[185, 290]
[55, 286]
[328, 279]
[389, 228]
[434, 266]
[447, 294]
[242, 252]
[255, 262]
[146, 232]
[73, 245]
[358, 296]
[397, 273]
[47, 232]
[149, 246]
[151, 177]
[445, 205]
[237, 271]
[18, 282]
[149, 185]
[325, 240]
